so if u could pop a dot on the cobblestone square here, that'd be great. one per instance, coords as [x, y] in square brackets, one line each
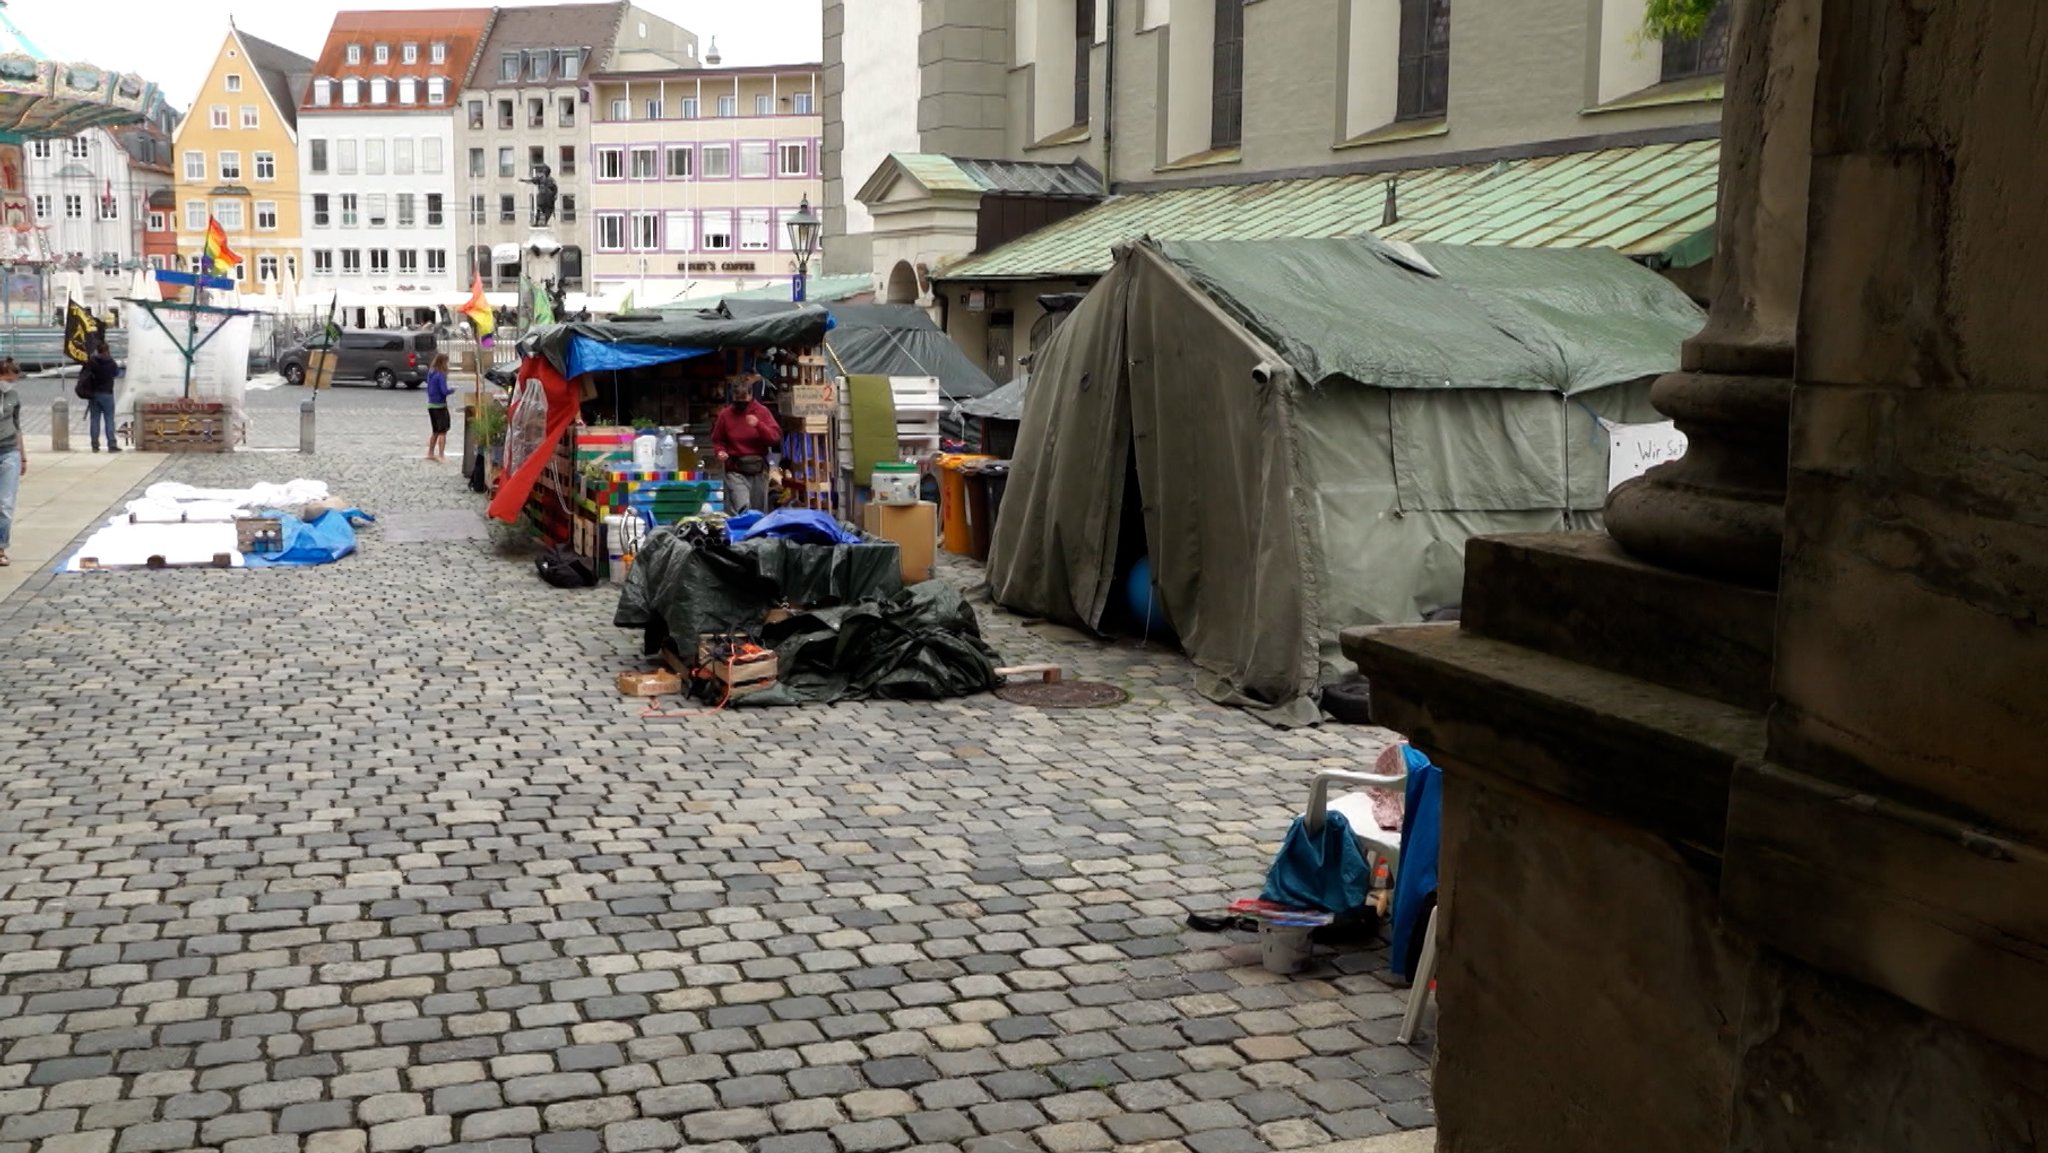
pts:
[373, 858]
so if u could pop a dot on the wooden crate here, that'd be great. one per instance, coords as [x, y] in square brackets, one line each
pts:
[183, 426]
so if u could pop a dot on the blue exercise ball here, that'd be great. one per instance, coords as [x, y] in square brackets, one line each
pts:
[1146, 613]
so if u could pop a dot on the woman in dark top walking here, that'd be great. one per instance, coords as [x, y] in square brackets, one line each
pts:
[437, 408]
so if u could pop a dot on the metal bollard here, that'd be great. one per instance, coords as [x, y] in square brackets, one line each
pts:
[306, 428]
[60, 426]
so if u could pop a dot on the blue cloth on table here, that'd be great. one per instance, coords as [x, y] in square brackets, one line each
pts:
[1422, 821]
[803, 525]
[1325, 870]
[323, 540]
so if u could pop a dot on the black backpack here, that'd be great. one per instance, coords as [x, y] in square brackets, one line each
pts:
[83, 389]
[564, 569]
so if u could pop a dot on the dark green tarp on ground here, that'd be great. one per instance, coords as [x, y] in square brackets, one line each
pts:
[922, 644]
[678, 589]
[1315, 428]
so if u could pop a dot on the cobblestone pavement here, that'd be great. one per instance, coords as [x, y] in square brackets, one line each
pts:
[372, 858]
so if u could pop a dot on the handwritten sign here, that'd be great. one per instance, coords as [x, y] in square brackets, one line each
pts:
[1634, 449]
[814, 400]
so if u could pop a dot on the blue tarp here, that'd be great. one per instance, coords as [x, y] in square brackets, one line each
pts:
[1422, 821]
[1325, 870]
[321, 541]
[587, 355]
[805, 525]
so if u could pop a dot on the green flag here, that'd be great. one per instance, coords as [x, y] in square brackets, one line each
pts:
[626, 305]
[543, 309]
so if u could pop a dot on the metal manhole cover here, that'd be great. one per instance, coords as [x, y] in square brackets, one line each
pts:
[1063, 694]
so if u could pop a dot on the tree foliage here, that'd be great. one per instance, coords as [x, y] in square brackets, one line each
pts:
[1678, 19]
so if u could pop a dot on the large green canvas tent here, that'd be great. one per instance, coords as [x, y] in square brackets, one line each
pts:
[1301, 435]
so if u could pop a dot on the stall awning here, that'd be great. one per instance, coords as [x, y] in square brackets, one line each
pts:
[574, 349]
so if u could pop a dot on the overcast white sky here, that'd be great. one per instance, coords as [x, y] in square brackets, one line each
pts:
[172, 42]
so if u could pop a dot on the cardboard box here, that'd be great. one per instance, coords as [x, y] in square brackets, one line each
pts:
[654, 683]
[915, 529]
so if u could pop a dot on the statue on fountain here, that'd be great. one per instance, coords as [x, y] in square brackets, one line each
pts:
[544, 190]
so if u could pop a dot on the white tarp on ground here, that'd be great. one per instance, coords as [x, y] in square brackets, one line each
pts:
[264, 495]
[184, 525]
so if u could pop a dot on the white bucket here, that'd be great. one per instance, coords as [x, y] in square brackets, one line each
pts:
[1283, 949]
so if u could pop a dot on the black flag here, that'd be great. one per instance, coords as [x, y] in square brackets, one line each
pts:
[80, 327]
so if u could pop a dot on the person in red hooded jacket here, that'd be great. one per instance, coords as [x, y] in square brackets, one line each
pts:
[743, 436]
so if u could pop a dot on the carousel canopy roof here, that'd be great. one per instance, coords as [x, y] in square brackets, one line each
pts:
[40, 97]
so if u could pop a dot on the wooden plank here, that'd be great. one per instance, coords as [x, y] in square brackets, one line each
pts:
[1050, 674]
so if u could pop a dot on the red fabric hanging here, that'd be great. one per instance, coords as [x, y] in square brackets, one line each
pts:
[563, 405]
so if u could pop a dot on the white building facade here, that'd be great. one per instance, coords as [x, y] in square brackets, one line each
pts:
[380, 191]
[91, 203]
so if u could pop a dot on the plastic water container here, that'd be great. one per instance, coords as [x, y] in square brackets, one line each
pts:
[665, 451]
[646, 452]
[895, 483]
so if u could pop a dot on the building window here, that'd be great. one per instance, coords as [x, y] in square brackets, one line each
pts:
[537, 64]
[801, 103]
[251, 118]
[644, 164]
[476, 163]
[565, 112]
[110, 208]
[478, 209]
[323, 262]
[42, 206]
[266, 166]
[266, 268]
[568, 207]
[408, 90]
[793, 159]
[476, 115]
[437, 262]
[536, 113]
[374, 209]
[568, 63]
[217, 116]
[195, 216]
[380, 262]
[234, 80]
[351, 90]
[40, 149]
[566, 163]
[323, 93]
[717, 233]
[755, 158]
[438, 54]
[430, 155]
[728, 107]
[373, 156]
[401, 156]
[437, 90]
[351, 262]
[158, 222]
[380, 90]
[682, 231]
[1226, 108]
[646, 231]
[345, 157]
[508, 67]
[383, 54]
[611, 233]
[406, 219]
[355, 54]
[681, 162]
[409, 54]
[408, 262]
[505, 114]
[349, 214]
[611, 164]
[229, 213]
[755, 235]
[1425, 83]
[433, 210]
[507, 166]
[266, 216]
[74, 206]
[536, 156]
[622, 109]
[508, 209]
[322, 217]
[764, 104]
[689, 107]
[230, 166]
[1705, 55]
[1084, 50]
[78, 147]
[316, 156]
[715, 163]
[195, 163]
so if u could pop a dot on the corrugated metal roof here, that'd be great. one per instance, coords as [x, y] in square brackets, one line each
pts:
[817, 289]
[1003, 177]
[1642, 201]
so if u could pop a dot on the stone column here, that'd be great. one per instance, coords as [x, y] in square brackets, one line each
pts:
[1719, 510]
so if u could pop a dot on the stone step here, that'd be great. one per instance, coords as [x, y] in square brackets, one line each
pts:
[1579, 597]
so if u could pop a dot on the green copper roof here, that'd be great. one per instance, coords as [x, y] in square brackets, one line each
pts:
[1643, 201]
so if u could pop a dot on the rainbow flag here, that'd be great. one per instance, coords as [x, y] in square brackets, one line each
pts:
[478, 310]
[217, 255]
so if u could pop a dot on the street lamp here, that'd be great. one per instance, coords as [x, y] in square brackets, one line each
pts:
[803, 240]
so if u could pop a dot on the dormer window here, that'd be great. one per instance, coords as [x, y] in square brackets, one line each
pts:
[355, 54]
[351, 90]
[383, 54]
[438, 54]
[568, 63]
[408, 90]
[380, 90]
[409, 54]
[323, 93]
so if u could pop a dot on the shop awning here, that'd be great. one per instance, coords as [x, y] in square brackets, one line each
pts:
[574, 349]
[1653, 201]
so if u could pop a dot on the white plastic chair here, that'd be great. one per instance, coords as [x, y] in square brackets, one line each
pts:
[1386, 844]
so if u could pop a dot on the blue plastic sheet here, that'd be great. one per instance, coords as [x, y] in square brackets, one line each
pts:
[587, 355]
[805, 525]
[323, 540]
[1422, 822]
[1325, 870]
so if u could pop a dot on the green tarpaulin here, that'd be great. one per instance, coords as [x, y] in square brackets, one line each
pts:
[1302, 435]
